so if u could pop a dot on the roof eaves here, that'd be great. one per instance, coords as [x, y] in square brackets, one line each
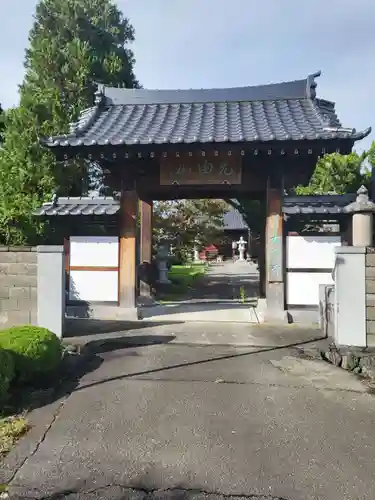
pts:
[77, 129]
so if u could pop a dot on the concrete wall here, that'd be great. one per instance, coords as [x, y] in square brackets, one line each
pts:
[350, 296]
[370, 291]
[18, 286]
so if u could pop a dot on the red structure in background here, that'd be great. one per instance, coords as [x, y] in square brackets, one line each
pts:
[209, 253]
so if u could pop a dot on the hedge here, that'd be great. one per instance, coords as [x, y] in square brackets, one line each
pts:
[35, 350]
[7, 373]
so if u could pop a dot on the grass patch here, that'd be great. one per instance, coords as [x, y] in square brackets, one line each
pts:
[187, 274]
[183, 278]
[11, 429]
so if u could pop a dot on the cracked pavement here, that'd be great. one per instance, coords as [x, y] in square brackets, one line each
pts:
[121, 493]
[178, 422]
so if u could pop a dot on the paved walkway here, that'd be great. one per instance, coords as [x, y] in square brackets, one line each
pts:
[184, 421]
[192, 333]
[217, 297]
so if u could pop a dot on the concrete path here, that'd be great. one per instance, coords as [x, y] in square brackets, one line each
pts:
[217, 297]
[182, 421]
[193, 333]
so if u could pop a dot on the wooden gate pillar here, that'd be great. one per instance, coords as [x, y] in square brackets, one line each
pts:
[127, 260]
[145, 209]
[274, 249]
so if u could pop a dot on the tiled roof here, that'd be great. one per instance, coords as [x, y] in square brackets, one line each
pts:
[80, 206]
[233, 220]
[281, 112]
[317, 205]
[292, 205]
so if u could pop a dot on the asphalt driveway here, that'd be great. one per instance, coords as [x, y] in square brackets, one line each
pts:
[173, 421]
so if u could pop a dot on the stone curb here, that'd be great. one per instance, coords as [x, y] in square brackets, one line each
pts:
[360, 361]
[41, 419]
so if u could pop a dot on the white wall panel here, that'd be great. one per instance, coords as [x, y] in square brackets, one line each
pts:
[94, 286]
[303, 288]
[98, 251]
[311, 251]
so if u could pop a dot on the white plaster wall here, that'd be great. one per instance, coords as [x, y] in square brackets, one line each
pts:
[309, 252]
[98, 251]
[303, 288]
[91, 285]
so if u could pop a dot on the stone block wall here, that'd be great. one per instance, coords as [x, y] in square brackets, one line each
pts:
[18, 286]
[370, 291]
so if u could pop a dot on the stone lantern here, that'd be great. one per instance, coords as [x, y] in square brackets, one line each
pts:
[362, 225]
[196, 256]
[161, 258]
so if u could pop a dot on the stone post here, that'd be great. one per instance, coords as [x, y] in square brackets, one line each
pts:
[162, 260]
[362, 224]
[196, 252]
[51, 288]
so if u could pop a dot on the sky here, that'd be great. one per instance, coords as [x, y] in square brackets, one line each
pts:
[225, 43]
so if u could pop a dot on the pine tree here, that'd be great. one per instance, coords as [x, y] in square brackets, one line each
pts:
[2, 124]
[73, 46]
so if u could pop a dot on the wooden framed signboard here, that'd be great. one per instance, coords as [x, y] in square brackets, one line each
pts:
[201, 168]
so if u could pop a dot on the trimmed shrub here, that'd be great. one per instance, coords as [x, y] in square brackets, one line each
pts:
[35, 350]
[7, 372]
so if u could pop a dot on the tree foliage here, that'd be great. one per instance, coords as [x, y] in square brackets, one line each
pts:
[2, 124]
[187, 222]
[73, 45]
[371, 156]
[338, 174]
[334, 174]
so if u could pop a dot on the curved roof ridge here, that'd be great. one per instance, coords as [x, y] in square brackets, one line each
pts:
[286, 111]
[295, 89]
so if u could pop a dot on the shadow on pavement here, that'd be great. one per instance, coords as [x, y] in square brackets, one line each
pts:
[192, 363]
[73, 368]
[103, 346]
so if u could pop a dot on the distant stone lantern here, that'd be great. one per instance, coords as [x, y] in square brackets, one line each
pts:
[241, 248]
[362, 226]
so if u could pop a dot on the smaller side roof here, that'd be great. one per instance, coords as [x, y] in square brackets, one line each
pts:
[233, 220]
[326, 204]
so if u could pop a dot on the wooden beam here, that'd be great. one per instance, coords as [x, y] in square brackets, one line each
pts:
[274, 250]
[145, 209]
[127, 250]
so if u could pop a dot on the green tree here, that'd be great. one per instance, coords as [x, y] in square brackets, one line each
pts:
[2, 124]
[186, 222]
[73, 45]
[337, 174]
[371, 155]
[333, 174]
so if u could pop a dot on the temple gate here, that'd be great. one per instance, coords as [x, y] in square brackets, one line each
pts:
[216, 143]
